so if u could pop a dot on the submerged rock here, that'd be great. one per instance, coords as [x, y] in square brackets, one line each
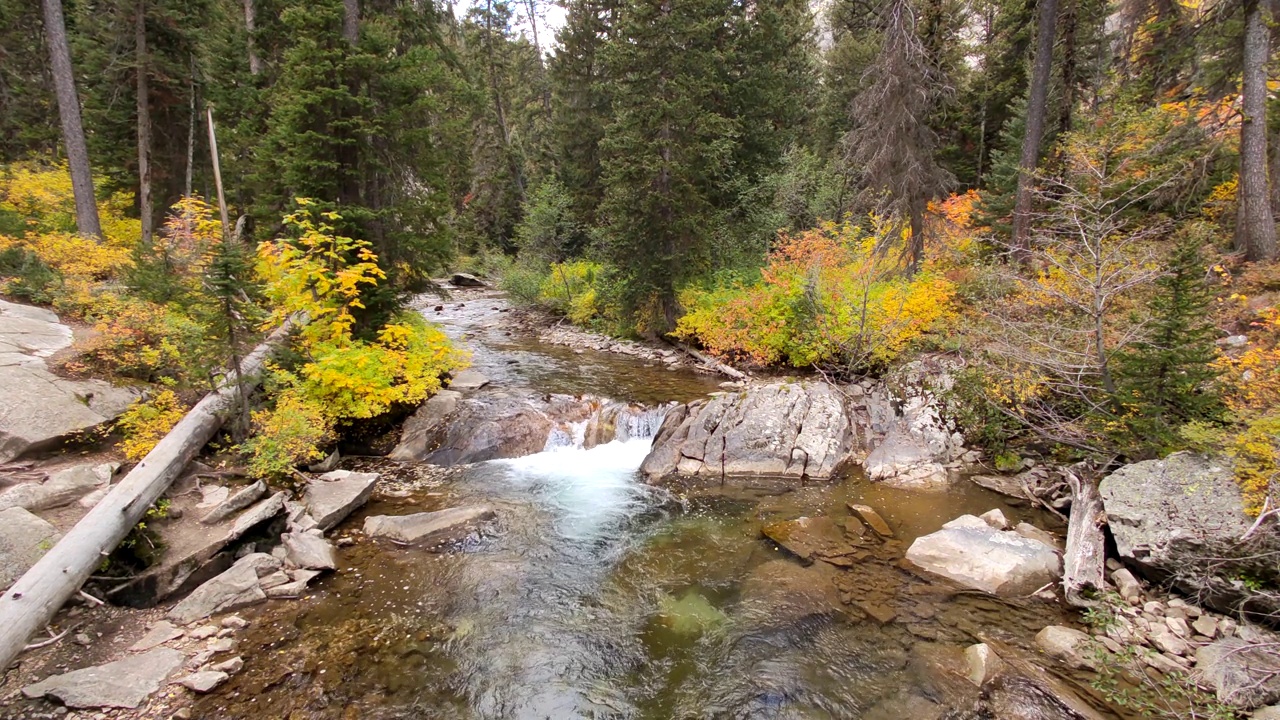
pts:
[780, 592]
[429, 528]
[871, 519]
[972, 553]
[24, 539]
[123, 683]
[331, 497]
[810, 538]
[468, 380]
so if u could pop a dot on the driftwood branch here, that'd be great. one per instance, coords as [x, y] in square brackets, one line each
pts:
[1085, 559]
[34, 599]
[711, 362]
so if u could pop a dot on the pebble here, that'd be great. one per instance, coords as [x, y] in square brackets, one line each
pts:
[235, 621]
[204, 632]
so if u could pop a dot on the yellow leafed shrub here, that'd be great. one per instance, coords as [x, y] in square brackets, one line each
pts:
[1252, 391]
[145, 423]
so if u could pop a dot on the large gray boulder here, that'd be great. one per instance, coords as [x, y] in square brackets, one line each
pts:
[972, 553]
[797, 430]
[24, 539]
[1181, 519]
[331, 497]
[495, 425]
[62, 487]
[38, 408]
[123, 683]
[416, 436]
[429, 528]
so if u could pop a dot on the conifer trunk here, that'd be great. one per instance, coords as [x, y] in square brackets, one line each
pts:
[144, 123]
[1256, 228]
[250, 27]
[351, 21]
[1036, 109]
[64, 83]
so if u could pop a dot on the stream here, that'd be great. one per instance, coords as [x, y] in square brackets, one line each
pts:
[597, 596]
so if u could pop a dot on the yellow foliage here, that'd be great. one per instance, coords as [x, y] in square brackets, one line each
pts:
[41, 196]
[145, 423]
[1251, 383]
[287, 435]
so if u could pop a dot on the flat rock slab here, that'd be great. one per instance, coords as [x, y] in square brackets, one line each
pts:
[331, 497]
[203, 681]
[123, 683]
[429, 528]
[972, 553]
[236, 588]
[810, 538]
[871, 519]
[24, 539]
[468, 380]
[780, 592]
[161, 633]
[310, 552]
[63, 487]
[234, 503]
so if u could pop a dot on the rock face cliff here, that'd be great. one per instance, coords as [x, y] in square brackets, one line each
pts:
[809, 430]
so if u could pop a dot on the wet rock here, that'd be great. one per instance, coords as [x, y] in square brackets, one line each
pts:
[468, 380]
[791, 430]
[235, 503]
[161, 633]
[466, 280]
[1241, 673]
[810, 538]
[24, 539]
[1067, 645]
[984, 664]
[331, 497]
[905, 705]
[429, 528]
[499, 425]
[996, 519]
[426, 421]
[309, 552]
[204, 681]
[871, 519]
[780, 593]
[123, 683]
[972, 553]
[63, 487]
[230, 667]
[235, 622]
[237, 587]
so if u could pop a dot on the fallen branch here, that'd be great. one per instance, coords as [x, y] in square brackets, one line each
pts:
[1085, 559]
[710, 362]
[1263, 515]
[50, 641]
[34, 599]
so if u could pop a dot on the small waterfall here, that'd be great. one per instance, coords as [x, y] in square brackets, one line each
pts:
[644, 423]
[571, 435]
[609, 422]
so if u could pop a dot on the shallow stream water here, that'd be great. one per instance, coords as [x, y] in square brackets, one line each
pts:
[597, 596]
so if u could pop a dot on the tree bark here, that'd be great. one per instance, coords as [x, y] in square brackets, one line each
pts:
[64, 83]
[1255, 228]
[1084, 560]
[351, 21]
[144, 122]
[34, 599]
[250, 27]
[1037, 102]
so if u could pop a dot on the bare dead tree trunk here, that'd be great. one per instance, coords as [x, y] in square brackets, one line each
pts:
[351, 21]
[64, 83]
[250, 27]
[1256, 228]
[144, 122]
[546, 88]
[1036, 109]
[1084, 560]
[191, 133]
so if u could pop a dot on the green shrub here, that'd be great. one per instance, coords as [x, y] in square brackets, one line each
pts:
[27, 275]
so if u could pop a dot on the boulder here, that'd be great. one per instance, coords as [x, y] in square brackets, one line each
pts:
[236, 588]
[795, 430]
[309, 552]
[429, 528]
[810, 538]
[24, 539]
[972, 553]
[331, 497]
[468, 380]
[996, 519]
[415, 437]
[984, 663]
[63, 487]
[500, 425]
[123, 683]
[906, 462]
[1241, 673]
[1067, 645]
[780, 593]
[466, 280]
[37, 408]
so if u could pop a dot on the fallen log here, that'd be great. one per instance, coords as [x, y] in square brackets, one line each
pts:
[711, 362]
[34, 599]
[1085, 558]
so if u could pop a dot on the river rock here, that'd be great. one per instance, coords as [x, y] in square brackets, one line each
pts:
[236, 588]
[1242, 674]
[500, 425]
[63, 487]
[810, 538]
[996, 519]
[429, 528]
[781, 593]
[24, 539]
[160, 633]
[123, 683]
[331, 497]
[871, 519]
[466, 280]
[793, 430]
[242, 499]
[38, 408]
[309, 552]
[204, 681]
[974, 554]
[415, 437]
[468, 380]
[906, 462]
[984, 663]
[1069, 646]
